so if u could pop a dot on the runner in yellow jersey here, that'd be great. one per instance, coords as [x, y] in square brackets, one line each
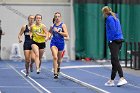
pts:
[38, 34]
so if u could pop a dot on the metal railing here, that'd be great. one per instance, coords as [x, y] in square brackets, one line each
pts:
[132, 55]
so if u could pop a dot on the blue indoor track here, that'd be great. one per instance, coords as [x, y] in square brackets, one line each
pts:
[75, 77]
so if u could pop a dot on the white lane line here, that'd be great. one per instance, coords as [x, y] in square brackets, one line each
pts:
[25, 79]
[87, 66]
[81, 82]
[108, 78]
[10, 68]
[94, 66]
[94, 73]
[15, 87]
[22, 71]
[84, 83]
[31, 87]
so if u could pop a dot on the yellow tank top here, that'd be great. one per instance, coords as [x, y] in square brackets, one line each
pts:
[37, 38]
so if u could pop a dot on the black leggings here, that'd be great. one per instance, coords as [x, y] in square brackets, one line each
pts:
[116, 67]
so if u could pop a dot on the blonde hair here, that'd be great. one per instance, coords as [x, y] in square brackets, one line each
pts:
[108, 11]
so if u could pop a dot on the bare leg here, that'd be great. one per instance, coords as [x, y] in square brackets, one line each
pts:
[59, 60]
[41, 52]
[35, 49]
[27, 60]
[32, 60]
[55, 59]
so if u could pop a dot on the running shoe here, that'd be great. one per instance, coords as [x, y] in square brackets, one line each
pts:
[110, 83]
[121, 82]
[38, 70]
[55, 76]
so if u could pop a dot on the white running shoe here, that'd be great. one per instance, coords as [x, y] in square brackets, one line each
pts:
[121, 82]
[110, 83]
[38, 70]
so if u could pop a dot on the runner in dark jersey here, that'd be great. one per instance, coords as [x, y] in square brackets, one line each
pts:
[29, 55]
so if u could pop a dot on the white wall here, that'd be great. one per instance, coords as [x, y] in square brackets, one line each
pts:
[12, 20]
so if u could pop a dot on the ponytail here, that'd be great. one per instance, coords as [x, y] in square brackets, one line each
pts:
[108, 10]
[113, 14]
[53, 20]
